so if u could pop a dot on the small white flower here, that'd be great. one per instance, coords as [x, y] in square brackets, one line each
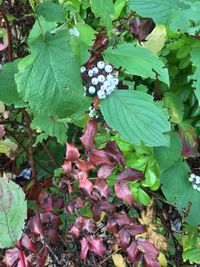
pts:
[96, 116]
[108, 68]
[95, 81]
[190, 179]
[101, 78]
[115, 81]
[91, 108]
[197, 180]
[110, 77]
[74, 32]
[194, 186]
[83, 69]
[92, 89]
[110, 89]
[103, 87]
[107, 84]
[95, 70]
[193, 175]
[198, 188]
[101, 94]
[90, 73]
[100, 65]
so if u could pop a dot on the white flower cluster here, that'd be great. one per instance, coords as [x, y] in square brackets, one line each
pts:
[195, 180]
[100, 80]
[93, 113]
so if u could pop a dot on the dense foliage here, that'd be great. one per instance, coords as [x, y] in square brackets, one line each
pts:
[99, 133]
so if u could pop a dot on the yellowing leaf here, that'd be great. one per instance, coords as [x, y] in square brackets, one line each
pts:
[2, 107]
[118, 260]
[156, 39]
[162, 260]
[7, 147]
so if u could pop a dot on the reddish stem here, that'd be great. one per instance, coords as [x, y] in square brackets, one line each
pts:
[10, 57]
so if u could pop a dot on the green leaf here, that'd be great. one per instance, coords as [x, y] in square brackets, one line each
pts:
[136, 117]
[50, 126]
[195, 56]
[51, 11]
[49, 79]
[13, 211]
[143, 197]
[175, 107]
[192, 254]
[167, 156]
[118, 6]
[8, 89]
[137, 61]
[179, 191]
[106, 12]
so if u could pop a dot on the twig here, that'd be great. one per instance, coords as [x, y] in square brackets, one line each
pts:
[49, 153]
[109, 256]
[10, 57]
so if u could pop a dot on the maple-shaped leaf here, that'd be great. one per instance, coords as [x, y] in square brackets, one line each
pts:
[102, 187]
[132, 252]
[72, 153]
[87, 138]
[130, 175]
[104, 171]
[123, 192]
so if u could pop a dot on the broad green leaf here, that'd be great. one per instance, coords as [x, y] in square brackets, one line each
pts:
[51, 11]
[195, 56]
[86, 32]
[167, 156]
[156, 39]
[179, 191]
[118, 6]
[175, 107]
[49, 79]
[143, 197]
[137, 61]
[192, 254]
[50, 126]
[13, 211]
[8, 89]
[105, 11]
[136, 117]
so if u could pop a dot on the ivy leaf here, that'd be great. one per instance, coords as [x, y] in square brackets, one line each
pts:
[137, 61]
[105, 12]
[51, 11]
[8, 88]
[137, 119]
[178, 190]
[49, 79]
[13, 210]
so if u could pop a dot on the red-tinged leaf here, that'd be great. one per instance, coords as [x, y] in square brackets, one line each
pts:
[147, 248]
[58, 202]
[84, 248]
[115, 154]
[96, 246]
[50, 218]
[98, 157]
[102, 187]
[130, 175]
[124, 238]
[100, 206]
[105, 171]
[112, 226]
[78, 203]
[34, 226]
[28, 244]
[87, 138]
[85, 183]
[41, 259]
[83, 223]
[52, 234]
[149, 262]
[45, 202]
[74, 231]
[72, 153]
[123, 192]
[12, 255]
[122, 219]
[132, 252]
[141, 29]
[2, 131]
[84, 165]
[67, 166]
[101, 41]
[135, 229]
[34, 191]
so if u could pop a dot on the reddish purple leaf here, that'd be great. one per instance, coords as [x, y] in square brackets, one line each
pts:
[84, 248]
[45, 202]
[102, 187]
[149, 262]
[124, 238]
[50, 218]
[72, 153]
[130, 175]
[96, 246]
[100, 206]
[87, 138]
[97, 157]
[141, 29]
[132, 252]
[74, 231]
[2, 131]
[115, 154]
[122, 219]
[85, 165]
[112, 225]
[123, 192]
[105, 171]
[28, 244]
[42, 257]
[12, 255]
[147, 247]
[85, 183]
[34, 226]
[135, 229]
[52, 233]
[67, 166]
[58, 202]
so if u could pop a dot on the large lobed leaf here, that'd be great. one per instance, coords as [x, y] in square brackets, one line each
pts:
[137, 61]
[13, 211]
[49, 79]
[136, 117]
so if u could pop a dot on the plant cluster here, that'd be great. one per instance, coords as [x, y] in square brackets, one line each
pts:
[99, 133]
